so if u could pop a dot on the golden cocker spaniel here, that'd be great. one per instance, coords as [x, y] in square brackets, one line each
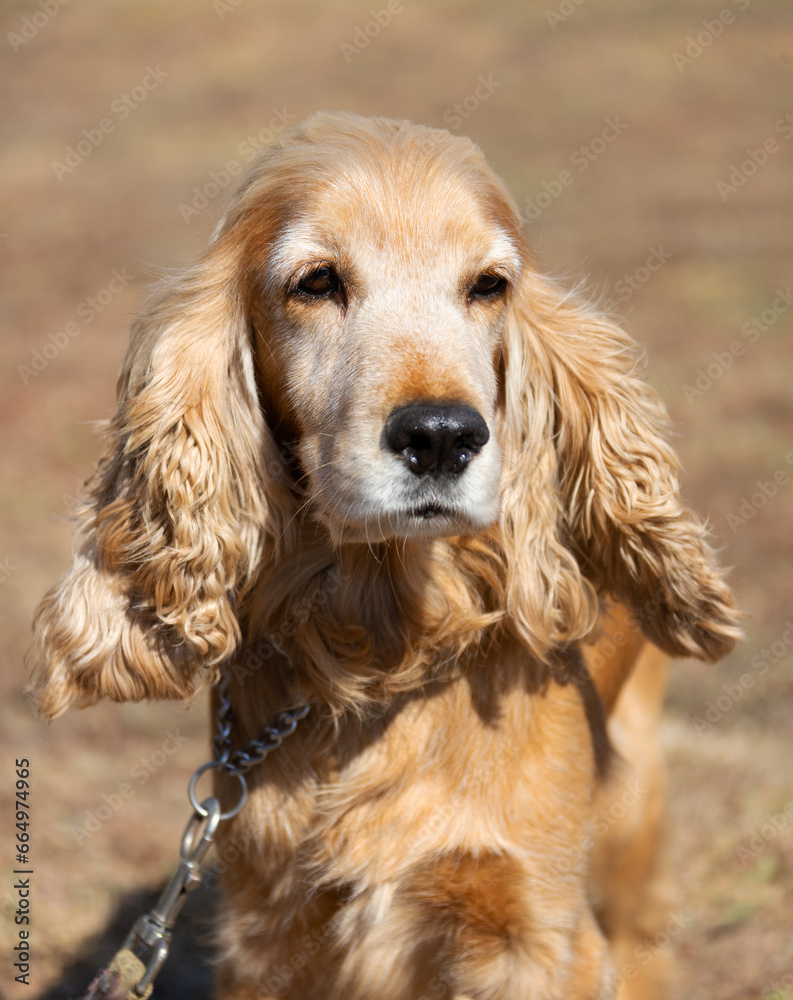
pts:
[367, 456]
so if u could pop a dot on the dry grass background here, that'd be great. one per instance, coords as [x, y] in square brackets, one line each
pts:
[654, 187]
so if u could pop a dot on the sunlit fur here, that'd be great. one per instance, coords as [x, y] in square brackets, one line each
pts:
[453, 747]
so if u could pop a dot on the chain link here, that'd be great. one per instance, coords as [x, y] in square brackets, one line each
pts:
[238, 763]
[254, 753]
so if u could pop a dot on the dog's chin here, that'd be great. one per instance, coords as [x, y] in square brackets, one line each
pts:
[425, 520]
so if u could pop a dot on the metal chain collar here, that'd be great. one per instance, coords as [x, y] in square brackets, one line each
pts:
[254, 753]
[131, 973]
[239, 763]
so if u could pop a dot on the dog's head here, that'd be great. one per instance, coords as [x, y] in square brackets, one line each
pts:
[377, 259]
[367, 350]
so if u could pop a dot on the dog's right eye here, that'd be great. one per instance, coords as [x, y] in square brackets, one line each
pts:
[319, 283]
[488, 286]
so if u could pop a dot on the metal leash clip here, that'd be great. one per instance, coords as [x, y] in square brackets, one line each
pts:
[153, 931]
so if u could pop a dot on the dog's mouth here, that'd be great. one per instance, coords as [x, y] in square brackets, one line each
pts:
[431, 519]
[429, 511]
[416, 521]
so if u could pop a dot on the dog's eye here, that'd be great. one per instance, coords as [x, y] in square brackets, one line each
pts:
[488, 286]
[319, 283]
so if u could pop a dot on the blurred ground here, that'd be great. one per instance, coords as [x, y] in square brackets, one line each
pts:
[704, 97]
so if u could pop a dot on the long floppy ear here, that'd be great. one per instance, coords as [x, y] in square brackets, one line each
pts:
[171, 527]
[592, 470]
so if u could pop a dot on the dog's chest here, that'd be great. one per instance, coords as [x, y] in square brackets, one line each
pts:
[449, 773]
[456, 815]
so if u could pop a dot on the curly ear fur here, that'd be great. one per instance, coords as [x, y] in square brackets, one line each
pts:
[171, 526]
[592, 505]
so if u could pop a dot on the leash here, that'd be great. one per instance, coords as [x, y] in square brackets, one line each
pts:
[131, 973]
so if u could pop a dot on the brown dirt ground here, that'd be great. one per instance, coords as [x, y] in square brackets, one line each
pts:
[655, 187]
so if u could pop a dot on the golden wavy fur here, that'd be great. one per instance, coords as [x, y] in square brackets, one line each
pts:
[365, 428]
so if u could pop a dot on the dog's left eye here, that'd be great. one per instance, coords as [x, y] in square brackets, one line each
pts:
[488, 286]
[319, 283]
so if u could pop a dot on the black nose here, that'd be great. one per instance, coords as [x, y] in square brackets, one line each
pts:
[436, 438]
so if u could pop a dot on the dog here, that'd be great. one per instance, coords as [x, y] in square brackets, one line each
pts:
[366, 456]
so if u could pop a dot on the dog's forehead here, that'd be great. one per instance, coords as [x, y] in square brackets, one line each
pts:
[419, 208]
